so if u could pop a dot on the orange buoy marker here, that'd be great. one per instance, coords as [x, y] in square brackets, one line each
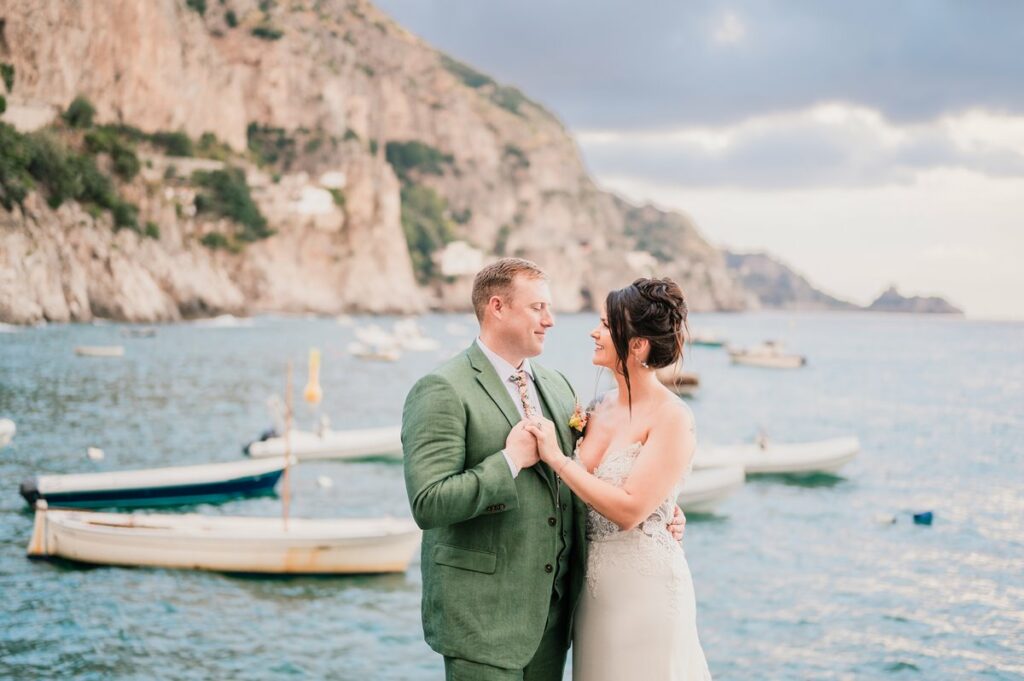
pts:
[313, 394]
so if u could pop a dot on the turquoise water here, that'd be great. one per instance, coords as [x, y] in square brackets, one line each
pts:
[793, 580]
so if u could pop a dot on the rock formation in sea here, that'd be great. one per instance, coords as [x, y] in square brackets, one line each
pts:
[892, 301]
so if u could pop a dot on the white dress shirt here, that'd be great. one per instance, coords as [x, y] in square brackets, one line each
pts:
[505, 372]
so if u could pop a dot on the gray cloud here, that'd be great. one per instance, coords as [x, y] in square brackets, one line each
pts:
[656, 63]
[793, 151]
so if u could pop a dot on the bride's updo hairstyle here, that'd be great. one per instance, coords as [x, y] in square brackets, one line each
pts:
[654, 309]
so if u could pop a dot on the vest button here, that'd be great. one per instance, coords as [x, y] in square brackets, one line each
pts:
[552, 521]
[549, 568]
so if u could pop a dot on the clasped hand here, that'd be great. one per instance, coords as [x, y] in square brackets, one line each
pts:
[543, 431]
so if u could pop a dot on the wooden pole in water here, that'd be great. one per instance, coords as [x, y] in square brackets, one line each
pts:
[286, 491]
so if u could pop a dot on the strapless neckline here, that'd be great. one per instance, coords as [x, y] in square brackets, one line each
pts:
[632, 448]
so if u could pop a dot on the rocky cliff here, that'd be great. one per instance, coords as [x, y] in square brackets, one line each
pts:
[310, 98]
[773, 284]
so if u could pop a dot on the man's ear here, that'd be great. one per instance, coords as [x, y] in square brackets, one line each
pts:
[496, 306]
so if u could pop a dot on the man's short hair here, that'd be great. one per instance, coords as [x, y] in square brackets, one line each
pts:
[496, 280]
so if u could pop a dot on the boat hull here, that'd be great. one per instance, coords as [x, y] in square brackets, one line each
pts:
[155, 487]
[100, 351]
[704, 490]
[226, 544]
[782, 362]
[826, 456]
[7, 431]
[350, 444]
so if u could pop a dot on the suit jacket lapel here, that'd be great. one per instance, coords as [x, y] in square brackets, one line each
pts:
[547, 390]
[488, 378]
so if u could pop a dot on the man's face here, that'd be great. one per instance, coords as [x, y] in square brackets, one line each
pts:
[526, 316]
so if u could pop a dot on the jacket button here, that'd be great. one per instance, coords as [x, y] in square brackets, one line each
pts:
[552, 521]
[548, 568]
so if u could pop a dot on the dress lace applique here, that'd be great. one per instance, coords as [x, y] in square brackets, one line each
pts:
[648, 548]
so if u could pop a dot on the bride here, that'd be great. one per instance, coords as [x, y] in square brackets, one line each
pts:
[637, 617]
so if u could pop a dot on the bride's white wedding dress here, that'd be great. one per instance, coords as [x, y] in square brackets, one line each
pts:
[637, 617]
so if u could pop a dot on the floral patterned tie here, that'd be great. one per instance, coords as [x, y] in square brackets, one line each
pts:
[519, 379]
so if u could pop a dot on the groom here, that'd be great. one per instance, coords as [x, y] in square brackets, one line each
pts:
[504, 548]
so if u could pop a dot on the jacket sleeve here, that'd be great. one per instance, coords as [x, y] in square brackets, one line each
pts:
[442, 491]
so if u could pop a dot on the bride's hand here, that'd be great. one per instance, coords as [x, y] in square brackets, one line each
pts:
[547, 440]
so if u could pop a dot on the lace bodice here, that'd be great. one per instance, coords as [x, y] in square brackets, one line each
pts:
[615, 469]
[647, 548]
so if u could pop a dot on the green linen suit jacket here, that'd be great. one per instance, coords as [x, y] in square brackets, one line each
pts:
[487, 538]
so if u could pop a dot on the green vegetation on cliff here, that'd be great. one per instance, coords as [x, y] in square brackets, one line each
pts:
[425, 218]
[426, 227]
[226, 194]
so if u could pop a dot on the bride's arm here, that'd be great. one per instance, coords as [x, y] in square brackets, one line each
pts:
[664, 458]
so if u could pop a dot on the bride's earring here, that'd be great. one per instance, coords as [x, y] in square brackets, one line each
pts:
[644, 364]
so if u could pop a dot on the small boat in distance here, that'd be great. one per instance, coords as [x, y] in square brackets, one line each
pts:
[331, 444]
[7, 431]
[139, 332]
[768, 355]
[99, 350]
[682, 383]
[704, 490]
[174, 485]
[226, 543]
[764, 457]
[378, 353]
[708, 339]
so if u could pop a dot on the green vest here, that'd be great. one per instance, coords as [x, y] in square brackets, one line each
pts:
[495, 548]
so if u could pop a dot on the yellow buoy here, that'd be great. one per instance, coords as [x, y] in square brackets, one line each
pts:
[313, 394]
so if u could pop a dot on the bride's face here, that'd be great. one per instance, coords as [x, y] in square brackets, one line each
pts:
[604, 350]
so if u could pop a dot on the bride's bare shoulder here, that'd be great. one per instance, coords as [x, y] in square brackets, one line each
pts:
[674, 415]
[602, 401]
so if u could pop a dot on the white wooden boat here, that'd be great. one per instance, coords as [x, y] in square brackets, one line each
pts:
[156, 486]
[332, 444]
[99, 350]
[706, 489]
[682, 383]
[139, 332]
[377, 353]
[768, 355]
[708, 339]
[226, 543]
[224, 321]
[7, 431]
[409, 335]
[825, 456]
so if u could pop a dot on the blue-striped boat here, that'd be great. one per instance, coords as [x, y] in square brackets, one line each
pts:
[177, 485]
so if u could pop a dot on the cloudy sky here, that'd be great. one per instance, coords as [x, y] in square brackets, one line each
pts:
[864, 143]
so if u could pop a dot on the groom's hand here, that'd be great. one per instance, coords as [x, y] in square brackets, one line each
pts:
[677, 526]
[521, 446]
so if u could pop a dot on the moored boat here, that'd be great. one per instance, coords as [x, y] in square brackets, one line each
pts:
[156, 486]
[226, 543]
[708, 339]
[99, 350]
[768, 355]
[682, 383]
[704, 490]
[7, 431]
[331, 444]
[763, 457]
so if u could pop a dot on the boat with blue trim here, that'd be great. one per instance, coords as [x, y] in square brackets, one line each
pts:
[177, 485]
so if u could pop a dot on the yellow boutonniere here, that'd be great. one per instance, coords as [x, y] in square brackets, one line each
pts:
[579, 418]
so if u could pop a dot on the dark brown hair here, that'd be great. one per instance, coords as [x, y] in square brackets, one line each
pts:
[654, 309]
[496, 280]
